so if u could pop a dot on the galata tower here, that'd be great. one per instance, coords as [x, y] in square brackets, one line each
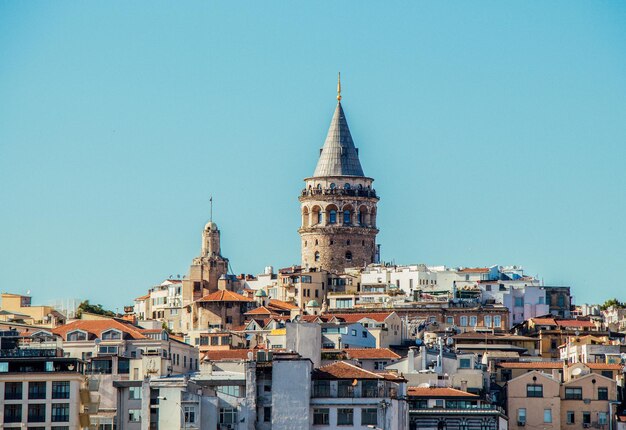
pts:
[338, 205]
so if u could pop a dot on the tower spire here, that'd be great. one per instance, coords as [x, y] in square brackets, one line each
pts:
[211, 211]
[339, 86]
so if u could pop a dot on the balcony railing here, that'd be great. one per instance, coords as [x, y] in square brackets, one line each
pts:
[339, 192]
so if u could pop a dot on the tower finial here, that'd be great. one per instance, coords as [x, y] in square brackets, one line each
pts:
[211, 202]
[339, 86]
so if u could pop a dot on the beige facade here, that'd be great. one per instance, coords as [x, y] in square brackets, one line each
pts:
[534, 402]
[20, 306]
[539, 400]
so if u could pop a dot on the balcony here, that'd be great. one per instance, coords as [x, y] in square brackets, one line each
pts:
[339, 192]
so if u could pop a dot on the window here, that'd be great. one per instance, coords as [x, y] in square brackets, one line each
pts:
[450, 320]
[60, 412]
[587, 418]
[317, 256]
[364, 334]
[332, 217]
[13, 413]
[228, 416]
[573, 393]
[521, 415]
[134, 393]
[345, 417]
[497, 321]
[4, 367]
[346, 217]
[321, 388]
[534, 390]
[267, 414]
[561, 301]
[369, 389]
[547, 415]
[465, 363]
[603, 393]
[111, 335]
[571, 417]
[463, 321]
[353, 332]
[348, 256]
[487, 320]
[134, 415]
[13, 391]
[190, 414]
[231, 390]
[519, 302]
[343, 303]
[607, 374]
[37, 413]
[602, 418]
[76, 336]
[321, 417]
[36, 390]
[107, 349]
[345, 388]
[369, 416]
[380, 365]
[473, 321]
[60, 389]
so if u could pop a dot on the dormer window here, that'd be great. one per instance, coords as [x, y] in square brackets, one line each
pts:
[111, 335]
[76, 335]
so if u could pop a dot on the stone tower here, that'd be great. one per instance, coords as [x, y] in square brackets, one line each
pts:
[338, 205]
[206, 269]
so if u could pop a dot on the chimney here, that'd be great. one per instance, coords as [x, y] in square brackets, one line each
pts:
[464, 386]
[411, 360]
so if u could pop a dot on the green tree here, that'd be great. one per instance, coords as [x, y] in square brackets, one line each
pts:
[93, 309]
[612, 302]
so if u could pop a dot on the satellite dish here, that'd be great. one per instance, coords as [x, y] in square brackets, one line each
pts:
[577, 371]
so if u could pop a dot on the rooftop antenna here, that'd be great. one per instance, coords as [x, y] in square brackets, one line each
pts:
[211, 204]
[339, 86]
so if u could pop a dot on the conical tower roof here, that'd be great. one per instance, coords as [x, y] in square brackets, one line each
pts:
[339, 156]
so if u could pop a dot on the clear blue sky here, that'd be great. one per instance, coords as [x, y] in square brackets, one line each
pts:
[495, 132]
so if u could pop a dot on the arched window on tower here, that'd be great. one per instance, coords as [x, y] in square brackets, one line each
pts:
[317, 256]
[319, 217]
[332, 218]
[346, 217]
[346, 186]
[348, 256]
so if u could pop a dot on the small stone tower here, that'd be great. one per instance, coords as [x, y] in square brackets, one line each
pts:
[206, 269]
[338, 205]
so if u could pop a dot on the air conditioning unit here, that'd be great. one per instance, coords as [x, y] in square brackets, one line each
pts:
[521, 423]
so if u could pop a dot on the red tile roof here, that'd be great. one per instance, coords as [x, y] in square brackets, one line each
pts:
[371, 353]
[315, 318]
[261, 310]
[531, 365]
[438, 392]
[604, 366]
[344, 370]
[96, 327]
[356, 317]
[575, 323]
[224, 296]
[543, 321]
[144, 297]
[227, 354]
[282, 305]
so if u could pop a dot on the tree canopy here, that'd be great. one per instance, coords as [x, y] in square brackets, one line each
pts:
[93, 309]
